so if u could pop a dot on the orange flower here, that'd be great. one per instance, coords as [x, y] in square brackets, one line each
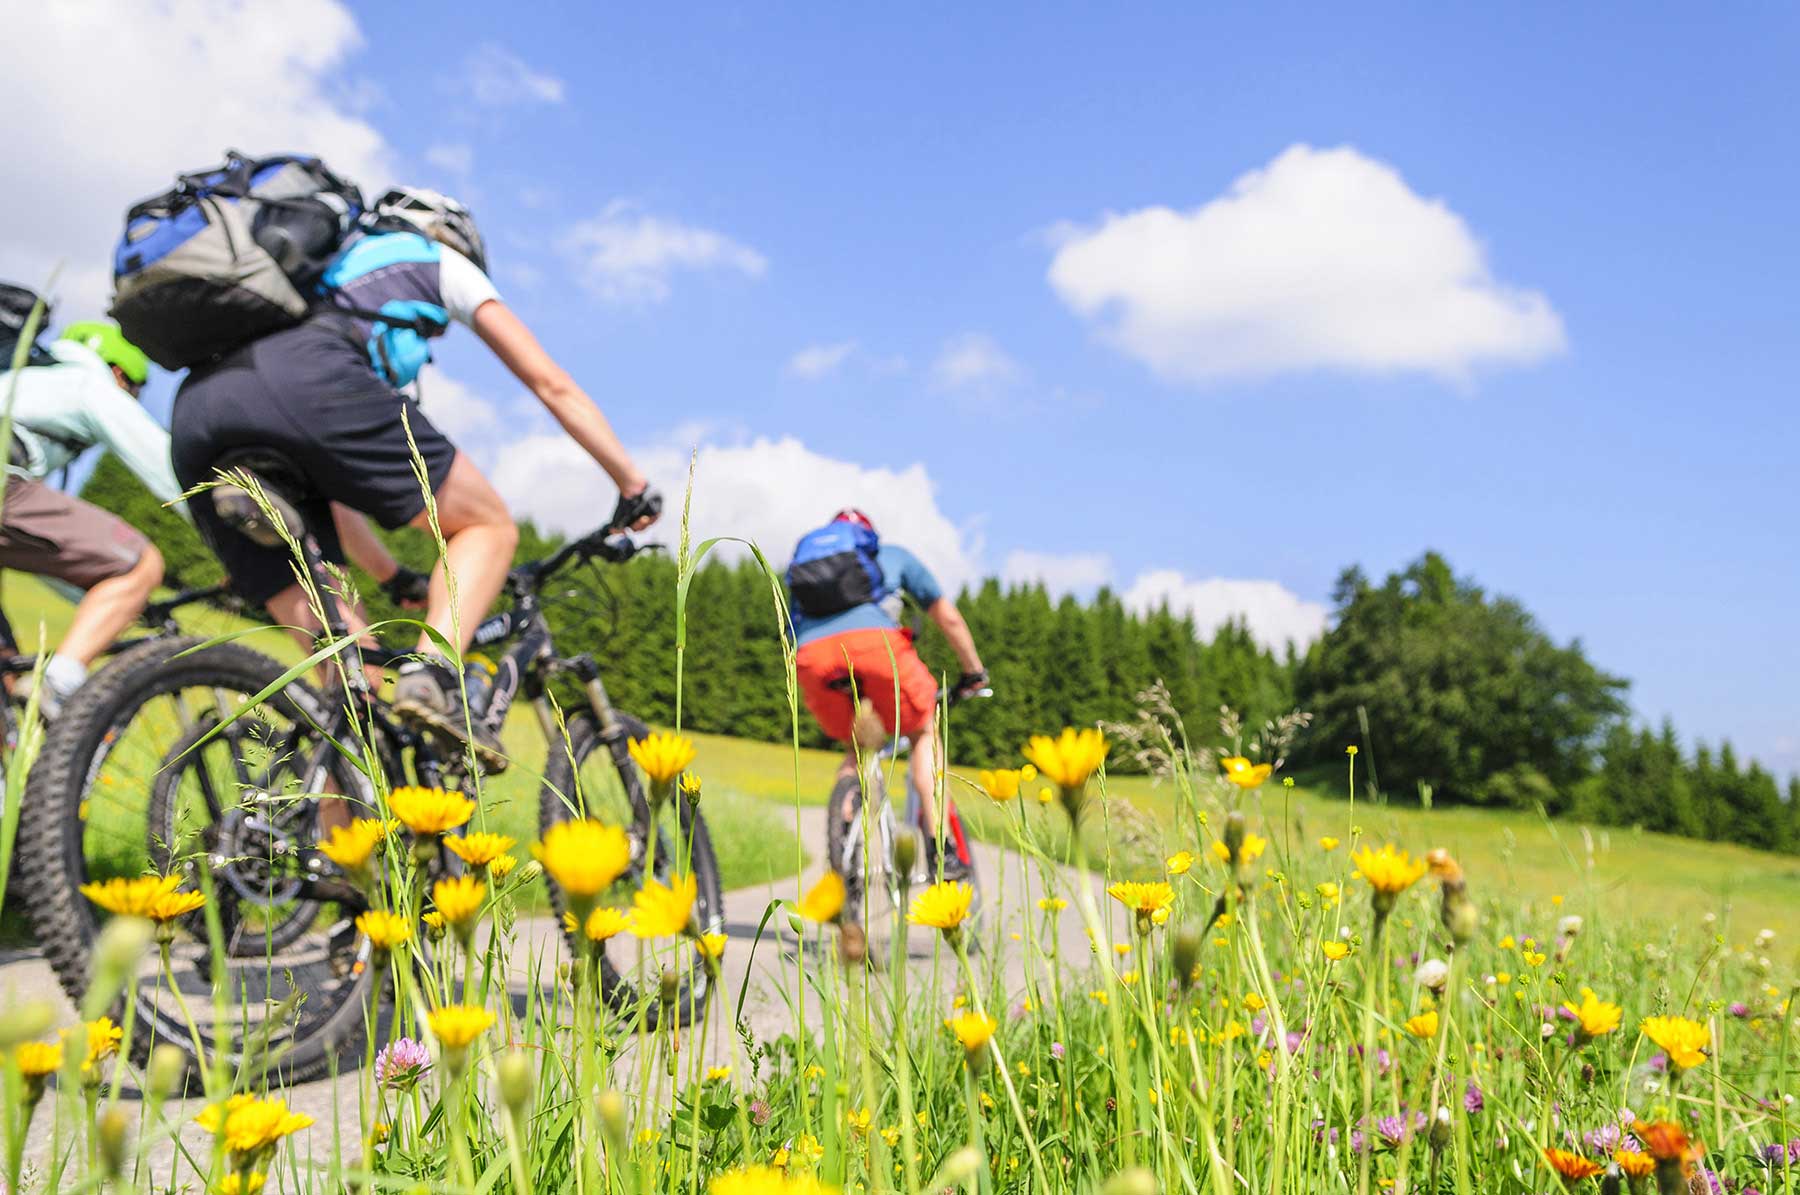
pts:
[1668, 1142]
[1571, 1166]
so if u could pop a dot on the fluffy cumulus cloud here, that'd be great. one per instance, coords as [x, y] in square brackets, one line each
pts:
[770, 491]
[818, 361]
[974, 361]
[1323, 259]
[498, 78]
[626, 255]
[1059, 572]
[76, 77]
[1275, 615]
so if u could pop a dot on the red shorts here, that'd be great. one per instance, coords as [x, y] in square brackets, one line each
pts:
[878, 659]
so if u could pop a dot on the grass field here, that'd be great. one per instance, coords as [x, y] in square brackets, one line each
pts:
[1614, 871]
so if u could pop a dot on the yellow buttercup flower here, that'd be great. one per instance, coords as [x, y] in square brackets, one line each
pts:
[249, 1125]
[1423, 1025]
[1595, 1016]
[718, 1074]
[662, 756]
[1684, 1041]
[1003, 783]
[1179, 862]
[945, 905]
[36, 1059]
[479, 850]
[1068, 759]
[351, 846]
[1252, 849]
[1389, 871]
[711, 946]
[1328, 843]
[1335, 951]
[973, 1029]
[663, 911]
[430, 810]
[459, 899]
[771, 1180]
[103, 1038]
[154, 897]
[383, 930]
[1245, 774]
[1052, 904]
[1328, 892]
[824, 901]
[456, 1025]
[603, 923]
[584, 857]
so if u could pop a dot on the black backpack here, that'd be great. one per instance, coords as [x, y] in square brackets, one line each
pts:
[229, 255]
[16, 305]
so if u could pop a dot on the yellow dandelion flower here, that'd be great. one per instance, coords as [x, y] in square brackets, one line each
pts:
[604, 923]
[459, 899]
[1052, 904]
[1337, 952]
[433, 920]
[1002, 784]
[430, 810]
[383, 930]
[1068, 759]
[249, 1125]
[1389, 871]
[662, 756]
[1254, 1002]
[1595, 1016]
[1635, 1164]
[945, 905]
[36, 1059]
[236, 1184]
[1143, 899]
[1423, 1025]
[718, 1074]
[351, 846]
[1684, 1041]
[972, 1029]
[584, 857]
[1328, 843]
[456, 1025]
[1179, 862]
[710, 946]
[102, 1038]
[1245, 774]
[824, 901]
[479, 850]
[662, 911]
[501, 866]
[154, 897]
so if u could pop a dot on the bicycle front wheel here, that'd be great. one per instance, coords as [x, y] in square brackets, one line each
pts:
[163, 764]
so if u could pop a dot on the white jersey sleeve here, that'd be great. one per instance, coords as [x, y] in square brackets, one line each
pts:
[462, 286]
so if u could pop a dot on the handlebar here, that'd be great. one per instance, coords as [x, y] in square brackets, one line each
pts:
[608, 544]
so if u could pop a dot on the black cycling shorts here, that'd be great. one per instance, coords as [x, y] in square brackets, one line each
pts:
[307, 395]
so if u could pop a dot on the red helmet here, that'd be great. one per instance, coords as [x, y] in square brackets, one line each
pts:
[852, 515]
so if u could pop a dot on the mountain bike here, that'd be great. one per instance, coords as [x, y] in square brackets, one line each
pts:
[849, 828]
[196, 754]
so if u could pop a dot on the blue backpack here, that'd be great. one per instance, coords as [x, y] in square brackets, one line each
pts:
[835, 569]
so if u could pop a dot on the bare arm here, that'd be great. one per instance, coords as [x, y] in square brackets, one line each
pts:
[950, 621]
[362, 545]
[514, 344]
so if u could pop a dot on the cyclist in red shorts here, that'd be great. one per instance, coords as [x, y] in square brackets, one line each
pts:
[845, 589]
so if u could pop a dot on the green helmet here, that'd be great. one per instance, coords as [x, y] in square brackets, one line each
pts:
[106, 339]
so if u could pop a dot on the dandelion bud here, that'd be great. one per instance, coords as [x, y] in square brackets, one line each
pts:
[612, 1117]
[671, 988]
[517, 1083]
[906, 853]
[1461, 918]
[853, 943]
[1234, 835]
[1184, 952]
[117, 953]
[959, 1167]
[1440, 1129]
[1135, 1181]
[1611, 1183]
[115, 1136]
[168, 1068]
[25, 1022]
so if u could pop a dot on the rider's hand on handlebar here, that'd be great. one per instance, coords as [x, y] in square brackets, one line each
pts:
[407, 588]
[638, 511]
[973, 684]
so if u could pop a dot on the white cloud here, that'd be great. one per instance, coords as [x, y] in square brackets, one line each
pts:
[456, 158]
[1323, 259]
[1066, 572]
[817, 361]
[498, 78]
[265, 76]
[973, 361]
[1274, 614]
[468, 418]
[627, 255]
[771, 491]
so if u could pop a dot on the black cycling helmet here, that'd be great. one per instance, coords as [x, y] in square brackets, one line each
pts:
[439, 217]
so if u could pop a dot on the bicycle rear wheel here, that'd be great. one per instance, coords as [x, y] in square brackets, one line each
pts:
[584, 778]
[129, 783]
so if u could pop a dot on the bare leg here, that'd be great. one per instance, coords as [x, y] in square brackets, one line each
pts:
[923, 774]
[846, 770]
[479, 538]
[110, 607]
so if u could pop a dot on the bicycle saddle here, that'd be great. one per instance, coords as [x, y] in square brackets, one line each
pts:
[261, 518]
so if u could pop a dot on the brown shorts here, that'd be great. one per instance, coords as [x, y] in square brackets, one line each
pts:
[47, 532]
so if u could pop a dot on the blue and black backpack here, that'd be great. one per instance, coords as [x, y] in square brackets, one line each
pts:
[834, 569]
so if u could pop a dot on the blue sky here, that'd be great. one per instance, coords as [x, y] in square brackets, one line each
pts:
[681, 205]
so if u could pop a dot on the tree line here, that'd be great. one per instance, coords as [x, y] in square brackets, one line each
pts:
[1453, 694]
